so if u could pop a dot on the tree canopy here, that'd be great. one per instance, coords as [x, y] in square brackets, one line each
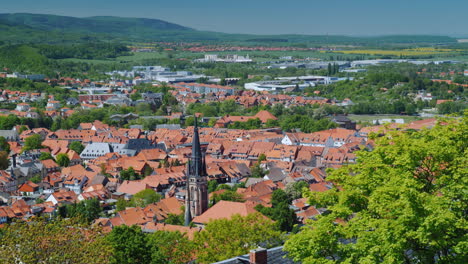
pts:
[4, 146]
[63, 160]
[33, 142]
[226, 238]
[404, 202]
[60, 241]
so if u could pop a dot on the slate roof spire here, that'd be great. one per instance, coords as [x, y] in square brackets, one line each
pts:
[196, 169]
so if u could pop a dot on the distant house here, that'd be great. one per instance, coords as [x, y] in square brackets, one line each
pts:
[119, 100]
[23, 107]
[50, 166]
[75, 183]
[94, 150]
[226, 120]
[53, 105]
[9, 135]
[63, 197]
[28, 188]
[72, 101]
[344, 122]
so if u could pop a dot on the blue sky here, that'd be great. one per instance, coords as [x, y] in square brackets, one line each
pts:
[334, 17]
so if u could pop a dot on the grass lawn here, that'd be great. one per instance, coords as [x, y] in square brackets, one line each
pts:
[369, 118]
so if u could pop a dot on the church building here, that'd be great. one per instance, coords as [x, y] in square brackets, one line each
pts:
[196, 201]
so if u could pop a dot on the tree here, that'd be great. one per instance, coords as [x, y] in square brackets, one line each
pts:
[59, 241]
[36, 178]
[279, 196]
[86, 210]
[129, 174]
[45, 156]
[175, 247]
[226, 238]
[228, 195]
[280, 212]
[145, 197]
[129, 244]
[228, 106]
[261, 157]
[294, 189]
[212, 122]
[33, 142]
[212, 185]
[257, 171]
[173, 219]
[4, 146]
[63, 160]
[77, 147]
[122, 204]
[404, 202]
[272, 123]
[4, 161]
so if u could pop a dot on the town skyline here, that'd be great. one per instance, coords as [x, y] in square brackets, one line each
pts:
[364, 18]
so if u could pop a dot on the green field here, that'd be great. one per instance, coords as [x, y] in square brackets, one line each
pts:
[369, 118]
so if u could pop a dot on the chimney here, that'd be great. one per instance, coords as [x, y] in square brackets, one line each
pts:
[258, 256]
[14, 160]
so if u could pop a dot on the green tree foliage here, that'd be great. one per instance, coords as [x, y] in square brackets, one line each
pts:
[4, 146]
[261, 157]
[173, 219]
[272, 123]
[129, 174]
[306, 124]
[257, 171]
[63, 160]
[60, 241]
[404, 202]
[83, 51]
[86, 210]
[253, 123]
[122, 204]
[76, 146]
[4, 160]
[36, 178]
[33, 142]
[280, 211]
[228, 195]
[175, 247]
[226, 238]
[45, 156]
[451, 107]
[212, 122]
[145, 197]
[130, 245]
[212, 185]
[140, 199]
[294, 189]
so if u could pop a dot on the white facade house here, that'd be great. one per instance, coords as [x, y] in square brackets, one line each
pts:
[23, 107]
[53, 105]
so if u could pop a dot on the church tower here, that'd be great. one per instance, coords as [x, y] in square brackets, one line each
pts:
[197, 190]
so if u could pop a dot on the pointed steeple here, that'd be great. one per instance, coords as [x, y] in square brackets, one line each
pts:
[197, 190]
[196, 158]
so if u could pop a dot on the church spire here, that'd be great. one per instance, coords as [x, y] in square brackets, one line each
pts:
[196, 158]
[197, 188]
